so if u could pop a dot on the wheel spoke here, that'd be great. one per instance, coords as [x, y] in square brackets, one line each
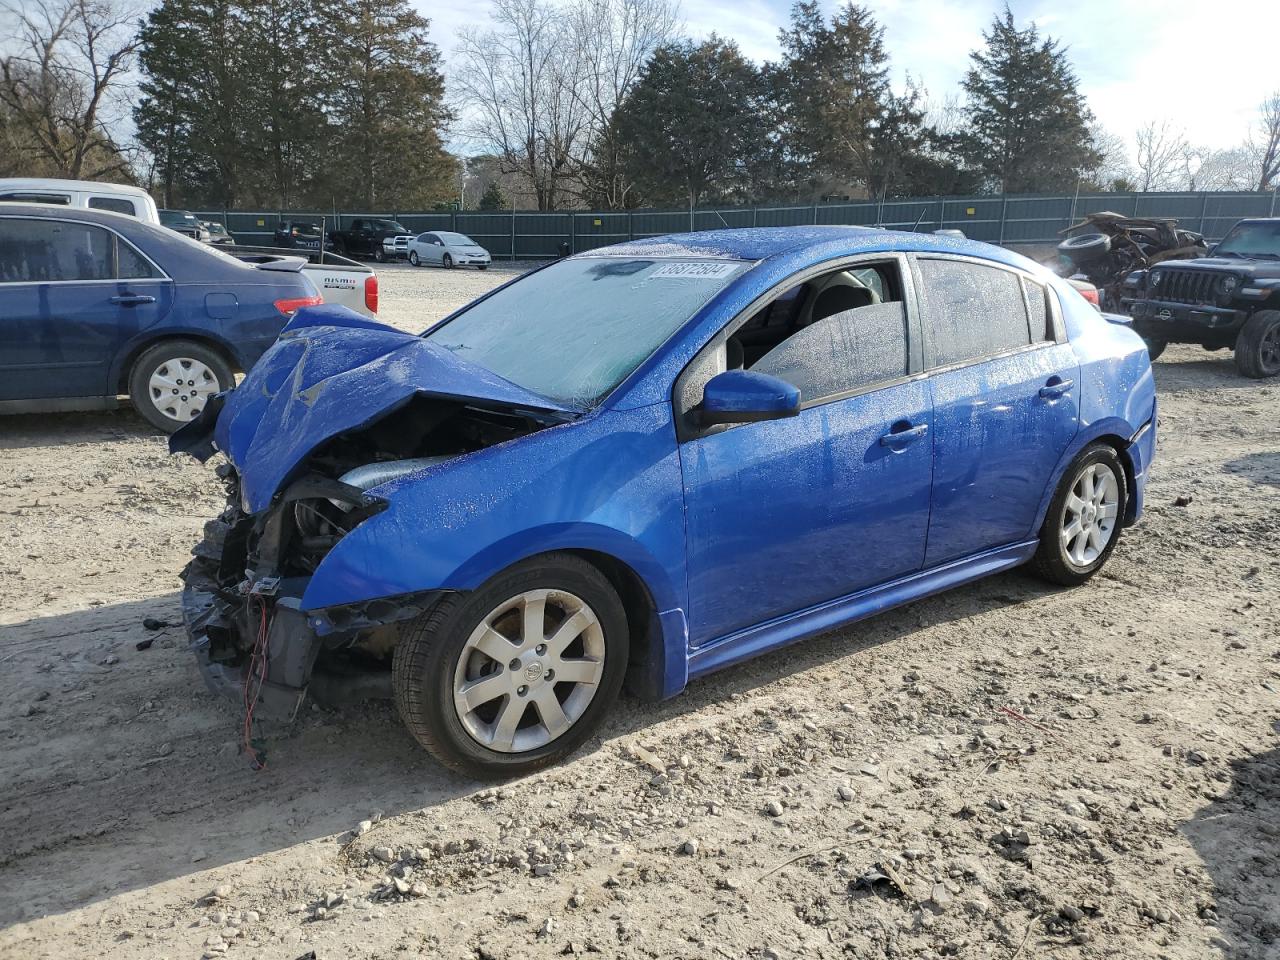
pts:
[552, 714]
[1075, 505]
[1095, 539]
[568, 631]
[507, 722]
[1072, 530]
[1107, 511]
[495, 646]
[532, 623]
[479, 692]
[580, 671]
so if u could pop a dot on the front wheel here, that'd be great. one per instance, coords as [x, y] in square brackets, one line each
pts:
[1258, 346]
[517, 674]
[447, 262]
[171, 382]
[413, 258]
[482, 266]
[1083, 523]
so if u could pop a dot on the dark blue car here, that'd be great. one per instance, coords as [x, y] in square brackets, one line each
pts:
[649, 462]
[96, 305]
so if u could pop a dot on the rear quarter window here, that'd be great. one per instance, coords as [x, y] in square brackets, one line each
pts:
[114, 204]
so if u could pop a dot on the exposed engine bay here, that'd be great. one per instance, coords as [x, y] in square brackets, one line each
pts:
[242, 602]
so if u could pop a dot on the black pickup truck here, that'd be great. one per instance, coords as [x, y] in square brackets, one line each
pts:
[364, 236]
[1231, 298]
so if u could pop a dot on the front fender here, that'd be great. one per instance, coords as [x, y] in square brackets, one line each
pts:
[609, 483]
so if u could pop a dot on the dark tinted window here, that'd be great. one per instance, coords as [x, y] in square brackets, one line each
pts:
[61, 199]
[972, 310]
[43, 250]
[114, 204]
[132, 265]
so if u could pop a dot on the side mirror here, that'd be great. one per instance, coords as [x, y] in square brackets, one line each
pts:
[740, 396]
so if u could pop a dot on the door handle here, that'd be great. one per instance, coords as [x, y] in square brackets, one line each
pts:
[132, 300]
[908, 435]
[1052, 391]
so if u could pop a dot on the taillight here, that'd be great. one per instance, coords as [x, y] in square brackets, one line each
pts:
[1091, 295]
[290, 305]
[371, 292]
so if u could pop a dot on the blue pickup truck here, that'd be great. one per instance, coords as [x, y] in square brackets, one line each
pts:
[97, 305]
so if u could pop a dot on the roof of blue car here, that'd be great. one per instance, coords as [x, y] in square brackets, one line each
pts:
[759, 243]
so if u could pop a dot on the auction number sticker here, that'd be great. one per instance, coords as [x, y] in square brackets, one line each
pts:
[698, 269]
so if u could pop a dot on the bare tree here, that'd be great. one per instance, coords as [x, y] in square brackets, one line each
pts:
[59, 73]
[1160, 153]
[615, 38]
[1267, 146]
[1113, 170]
[518, 80]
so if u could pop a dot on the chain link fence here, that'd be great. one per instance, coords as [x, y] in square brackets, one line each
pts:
[1026, 221]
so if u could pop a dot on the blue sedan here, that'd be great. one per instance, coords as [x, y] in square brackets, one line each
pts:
[94, 305]
[649, 462]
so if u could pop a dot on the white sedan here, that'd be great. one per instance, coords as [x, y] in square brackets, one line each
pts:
[448, 250]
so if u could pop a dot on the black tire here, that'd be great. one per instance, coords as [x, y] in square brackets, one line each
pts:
[1085, 247]
[482, 266]
[169, 351]
[1155, 347]
[427, 657]
[447, 262]
[1258, 346]
[413, 258]
[1051, 561]
[379, 255]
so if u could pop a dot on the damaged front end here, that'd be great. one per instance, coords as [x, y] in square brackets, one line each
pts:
[337, 410]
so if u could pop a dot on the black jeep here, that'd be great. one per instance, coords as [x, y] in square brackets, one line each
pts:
[1230, 298]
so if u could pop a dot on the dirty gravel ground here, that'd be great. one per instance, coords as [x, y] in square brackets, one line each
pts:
[1134, 812]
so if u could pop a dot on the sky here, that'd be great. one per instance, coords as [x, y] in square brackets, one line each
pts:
[1139, 61]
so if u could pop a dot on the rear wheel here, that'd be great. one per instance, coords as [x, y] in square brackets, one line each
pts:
[447, 262]
[379, 255]
[1083, 523]
[171, 382]
[1258, 346]
[515, 675]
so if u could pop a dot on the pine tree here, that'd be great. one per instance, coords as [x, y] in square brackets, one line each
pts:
[389, 110]
[1027, 125]
[493, 198]
[694, 125]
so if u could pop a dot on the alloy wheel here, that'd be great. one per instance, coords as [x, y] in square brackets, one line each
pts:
[1269, 349]
[529, 670]
[1091, 514]
[180, 387]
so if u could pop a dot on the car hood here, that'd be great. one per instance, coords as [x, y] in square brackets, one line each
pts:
[331, 372]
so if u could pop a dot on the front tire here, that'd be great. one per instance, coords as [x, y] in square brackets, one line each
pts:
[447, 262]
[170, 383]
[482, 266]
[413, 258]
[1082, 526]
[1258, 346]
[515, 675]
[1155, 347]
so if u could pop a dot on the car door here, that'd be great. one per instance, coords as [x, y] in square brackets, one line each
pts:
[782, 515]
[434, 248]
[1004, 399]
[71, 293]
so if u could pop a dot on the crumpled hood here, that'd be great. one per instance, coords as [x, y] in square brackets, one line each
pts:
[330, 372]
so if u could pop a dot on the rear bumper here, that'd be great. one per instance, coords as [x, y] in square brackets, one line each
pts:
[1177, 322]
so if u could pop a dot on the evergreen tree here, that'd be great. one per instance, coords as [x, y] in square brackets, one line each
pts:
[1027, 125]
[493, 198]
[388, 111]
[694, 126]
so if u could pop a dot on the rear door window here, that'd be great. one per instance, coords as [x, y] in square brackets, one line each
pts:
[114, 204]
[54, 250]
[973, 310]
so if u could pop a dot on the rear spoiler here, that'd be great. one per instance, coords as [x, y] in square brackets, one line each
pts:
[280, 264]
[264, 255]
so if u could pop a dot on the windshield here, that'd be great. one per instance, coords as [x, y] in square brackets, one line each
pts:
[457, 239]
[1251, 240]
[178, 218]
[576, 329]
[387, 225]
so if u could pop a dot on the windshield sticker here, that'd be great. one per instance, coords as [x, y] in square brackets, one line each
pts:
[698, 270]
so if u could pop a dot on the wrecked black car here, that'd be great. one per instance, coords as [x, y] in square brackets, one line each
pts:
[1227, 300]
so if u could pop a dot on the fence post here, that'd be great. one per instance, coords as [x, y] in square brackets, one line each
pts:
[815, 214]
[1273, 199]
[1004, 213]
[453, 220]
[513, 233]
[631, 225]
[573, 232]
[1204, 209]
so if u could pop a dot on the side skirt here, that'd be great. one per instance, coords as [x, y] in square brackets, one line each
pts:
[780, 631]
